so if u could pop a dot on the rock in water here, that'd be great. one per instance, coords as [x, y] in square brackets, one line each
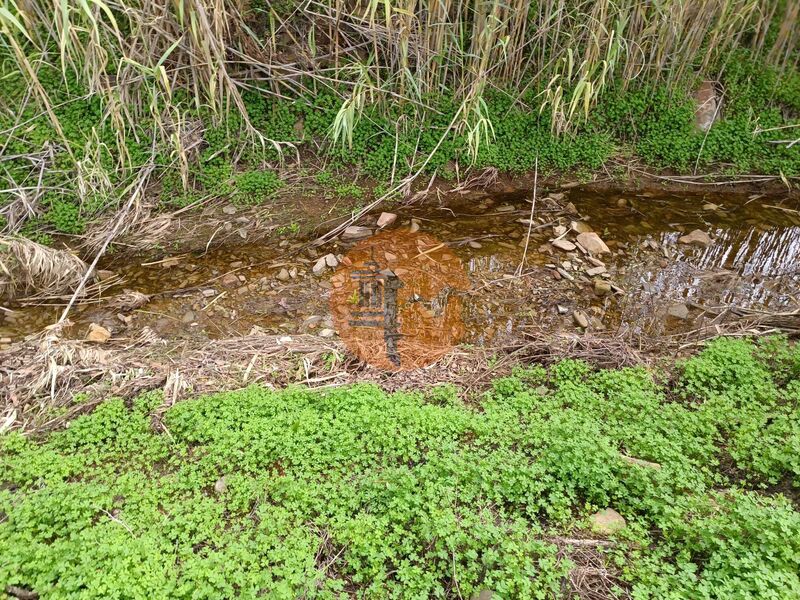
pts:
[564, 245]
[580, 227]
[386, 219]
[98, 334]
[356, 232]
[593, 244]
[607, 522]
[696, 238]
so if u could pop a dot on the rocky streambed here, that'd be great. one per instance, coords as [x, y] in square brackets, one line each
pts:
[643, 265]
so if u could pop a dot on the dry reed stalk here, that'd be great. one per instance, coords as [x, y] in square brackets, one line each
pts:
[28, 268]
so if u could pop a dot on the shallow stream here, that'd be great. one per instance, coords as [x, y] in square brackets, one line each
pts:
[656, 285]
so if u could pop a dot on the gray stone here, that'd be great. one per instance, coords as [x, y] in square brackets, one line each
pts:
[607, 521]
[283, 275]
[679, 311]
[188, 317]
[331, 260]
[356, 232]
[221, 485]
[229, 209]
[320, 266]
[327, 333]
[595, 271]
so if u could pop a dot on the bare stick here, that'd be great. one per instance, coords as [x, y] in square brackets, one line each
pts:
[530, 220]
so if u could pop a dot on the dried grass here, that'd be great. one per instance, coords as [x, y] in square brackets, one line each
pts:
[28, 268]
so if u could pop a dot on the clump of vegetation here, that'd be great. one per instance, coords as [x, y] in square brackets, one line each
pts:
[418, 495]
[95, 98]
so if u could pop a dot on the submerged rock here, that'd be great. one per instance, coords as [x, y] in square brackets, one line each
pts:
[696, 238]
[592, 243]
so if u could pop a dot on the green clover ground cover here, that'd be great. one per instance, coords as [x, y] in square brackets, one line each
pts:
[357, 493]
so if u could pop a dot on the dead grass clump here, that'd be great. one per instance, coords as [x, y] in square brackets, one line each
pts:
[28, 268]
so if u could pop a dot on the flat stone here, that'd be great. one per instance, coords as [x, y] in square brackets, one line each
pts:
[639, 462]
[474, 244]
[595, 271]
[564, 245]
[506, 208]
[592, 243]
[229, 209]
[312, 321]
[386, 219]
[607, 521]
[580, 318]
[331, 260]
[98, 334]
[679, 311]
[580, 227]
[562, 273]
[696, 238]
[562, 310]
[559, 230]
[557, 196]
[327, 333]
[208, 292]
[595, 261]
[356, 232]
